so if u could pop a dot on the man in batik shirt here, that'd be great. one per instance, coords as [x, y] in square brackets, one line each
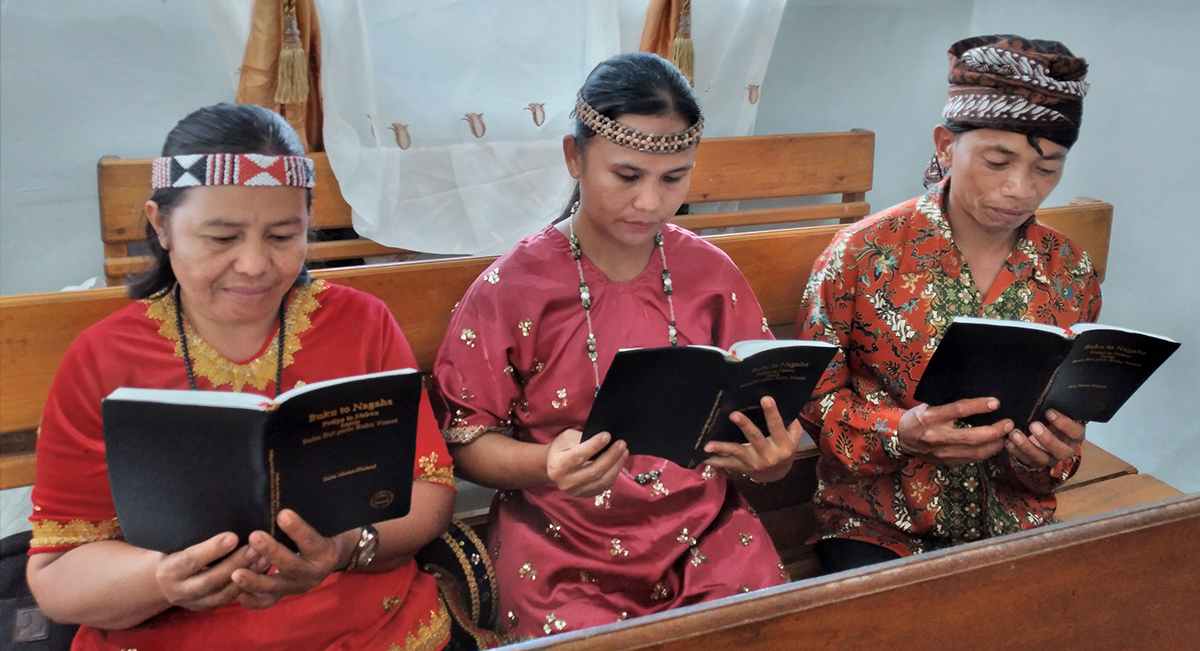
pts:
[897, 477]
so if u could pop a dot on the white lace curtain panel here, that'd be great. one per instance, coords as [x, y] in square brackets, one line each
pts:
[444, 118]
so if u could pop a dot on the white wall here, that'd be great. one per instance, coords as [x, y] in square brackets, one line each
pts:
[80, 80]
[882, 65]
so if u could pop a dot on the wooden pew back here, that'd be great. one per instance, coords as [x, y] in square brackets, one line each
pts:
[727, 169]
[37, 328]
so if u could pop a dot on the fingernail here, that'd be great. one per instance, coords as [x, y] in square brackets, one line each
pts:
[1008, 426]
[993, 404]
[250, 553]
[1051, 415]
[1017, 435]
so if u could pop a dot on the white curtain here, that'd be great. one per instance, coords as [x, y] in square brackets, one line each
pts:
[430, 105]
[432, 113]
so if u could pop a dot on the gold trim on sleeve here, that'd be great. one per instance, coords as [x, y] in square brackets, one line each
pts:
[51, 533]
[429, 636]
[259, 372]
[469, 433]
[433, 473]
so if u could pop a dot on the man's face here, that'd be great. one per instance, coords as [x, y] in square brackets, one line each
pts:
[998, 179]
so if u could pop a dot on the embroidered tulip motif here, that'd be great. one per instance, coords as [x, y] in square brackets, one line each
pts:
[478, 128]
[402, 138]
[753, 93]
[539, 113]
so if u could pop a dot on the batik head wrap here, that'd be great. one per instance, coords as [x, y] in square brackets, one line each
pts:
[1010, 83]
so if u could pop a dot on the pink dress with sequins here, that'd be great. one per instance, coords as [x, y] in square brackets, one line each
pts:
[514, 361]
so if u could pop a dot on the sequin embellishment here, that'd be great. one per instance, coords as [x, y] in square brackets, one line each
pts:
[616, 549]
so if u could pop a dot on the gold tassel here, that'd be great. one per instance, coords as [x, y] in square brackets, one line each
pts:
[683, 55]
[291, 86]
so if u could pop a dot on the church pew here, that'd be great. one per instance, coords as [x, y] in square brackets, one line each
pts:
[727, 169]
[1123, 580]
[35, 329]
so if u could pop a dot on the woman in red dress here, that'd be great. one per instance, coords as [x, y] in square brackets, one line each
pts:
[229, 307]
[579, 543]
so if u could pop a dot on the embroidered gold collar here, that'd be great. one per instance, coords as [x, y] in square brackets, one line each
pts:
[258, 372]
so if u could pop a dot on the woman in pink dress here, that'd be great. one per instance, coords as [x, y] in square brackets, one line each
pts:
[580, 543]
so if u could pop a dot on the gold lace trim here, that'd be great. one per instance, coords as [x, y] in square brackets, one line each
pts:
[487, 564]
[472, 432]
[209, 364]
[433, 473]
[429, 636]
[51, 533]
[472, 585]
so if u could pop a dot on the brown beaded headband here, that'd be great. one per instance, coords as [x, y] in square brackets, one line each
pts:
[654, 143]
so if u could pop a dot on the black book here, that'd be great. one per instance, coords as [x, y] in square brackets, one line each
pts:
[670, 402]
[185, 466]
[1085, 373]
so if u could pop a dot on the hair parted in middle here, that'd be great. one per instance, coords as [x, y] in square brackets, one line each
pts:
[637, 83]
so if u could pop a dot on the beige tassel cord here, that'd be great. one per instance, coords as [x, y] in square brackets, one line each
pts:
[683, 55]
[291, 86]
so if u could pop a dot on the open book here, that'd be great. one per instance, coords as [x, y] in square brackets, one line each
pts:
[1085, 373]
[670, 402]
[187, 465]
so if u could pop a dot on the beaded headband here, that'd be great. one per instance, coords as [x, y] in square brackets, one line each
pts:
[654, 143]
[191, 170]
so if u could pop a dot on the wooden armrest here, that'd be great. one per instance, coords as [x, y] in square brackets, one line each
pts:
[1112, 495]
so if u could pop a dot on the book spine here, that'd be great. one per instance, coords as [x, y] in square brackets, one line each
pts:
[1037, 406]
[274, 478]
[709, 424]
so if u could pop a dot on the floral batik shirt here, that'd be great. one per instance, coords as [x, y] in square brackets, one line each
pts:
[885, 291]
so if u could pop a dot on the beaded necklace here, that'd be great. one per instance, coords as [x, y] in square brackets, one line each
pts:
[585, 294]
[187, 359]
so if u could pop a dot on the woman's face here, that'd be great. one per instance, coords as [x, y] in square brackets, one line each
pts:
[627, 194]
[235, 250]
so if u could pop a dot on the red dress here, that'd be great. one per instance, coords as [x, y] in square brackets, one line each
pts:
[331, 332]
[514, 361]
[884, 291]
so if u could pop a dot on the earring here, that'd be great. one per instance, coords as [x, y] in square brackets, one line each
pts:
[574, 208]
[934, 172]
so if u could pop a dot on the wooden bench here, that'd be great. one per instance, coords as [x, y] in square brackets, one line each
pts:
[727, 169]
[36, 329]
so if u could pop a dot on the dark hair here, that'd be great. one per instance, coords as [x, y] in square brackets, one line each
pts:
[958, 128]
[638, 83]
[217, 129]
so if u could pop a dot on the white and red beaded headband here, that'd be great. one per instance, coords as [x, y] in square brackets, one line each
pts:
[654, 143]
[191, 170]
